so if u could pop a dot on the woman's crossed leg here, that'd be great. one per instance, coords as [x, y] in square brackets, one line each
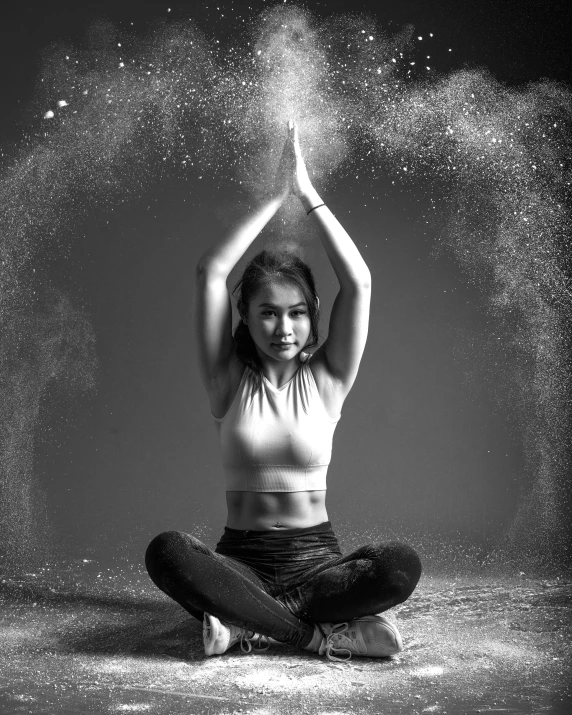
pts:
[368, 581]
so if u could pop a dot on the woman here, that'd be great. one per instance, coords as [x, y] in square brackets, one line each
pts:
[277, 570]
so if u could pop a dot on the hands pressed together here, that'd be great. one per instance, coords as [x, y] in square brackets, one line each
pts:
[292, 175]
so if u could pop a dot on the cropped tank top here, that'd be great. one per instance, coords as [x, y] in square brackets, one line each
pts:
[276, 439]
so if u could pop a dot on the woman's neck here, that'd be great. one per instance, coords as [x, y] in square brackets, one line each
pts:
[279, 373]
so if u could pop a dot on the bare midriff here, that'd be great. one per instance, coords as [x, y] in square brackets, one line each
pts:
[265, 511]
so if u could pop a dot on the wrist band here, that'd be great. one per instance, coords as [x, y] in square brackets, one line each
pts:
[314, 208]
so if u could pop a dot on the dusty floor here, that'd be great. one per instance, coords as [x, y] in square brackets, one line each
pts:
[78, 638]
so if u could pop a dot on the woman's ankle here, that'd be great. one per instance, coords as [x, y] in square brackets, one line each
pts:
[316, 641]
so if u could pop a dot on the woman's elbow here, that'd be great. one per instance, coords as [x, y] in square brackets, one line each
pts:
[358, 284]
[366, 279]
[363, 279]
[206, 268]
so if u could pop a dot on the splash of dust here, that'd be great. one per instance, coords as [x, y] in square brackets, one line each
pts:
[504, 156]
[94, 154]
[44, 341]
[109, 118]
[287, 75]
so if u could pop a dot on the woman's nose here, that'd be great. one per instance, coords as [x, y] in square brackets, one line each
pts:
[284, 327]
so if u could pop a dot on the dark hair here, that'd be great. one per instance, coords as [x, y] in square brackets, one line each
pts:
[265, 268]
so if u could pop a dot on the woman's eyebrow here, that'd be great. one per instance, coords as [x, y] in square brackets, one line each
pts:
[272, 305]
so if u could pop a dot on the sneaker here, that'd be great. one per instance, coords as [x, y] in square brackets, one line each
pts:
[369, 637]
[218, 637]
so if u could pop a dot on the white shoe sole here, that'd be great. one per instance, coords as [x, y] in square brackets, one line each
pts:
[212, 624]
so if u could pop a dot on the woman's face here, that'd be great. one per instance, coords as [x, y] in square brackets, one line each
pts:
[278, 321]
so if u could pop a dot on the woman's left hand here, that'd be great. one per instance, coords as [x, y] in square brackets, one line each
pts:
[301, 184]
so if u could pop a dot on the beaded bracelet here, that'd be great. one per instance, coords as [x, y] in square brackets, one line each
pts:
[314, 208]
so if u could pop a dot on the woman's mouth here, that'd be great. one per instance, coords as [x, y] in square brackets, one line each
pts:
[282, 346]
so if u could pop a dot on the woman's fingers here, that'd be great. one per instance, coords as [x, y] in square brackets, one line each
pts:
[296, 140]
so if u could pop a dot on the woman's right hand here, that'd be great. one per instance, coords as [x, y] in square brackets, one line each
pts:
[285, 172]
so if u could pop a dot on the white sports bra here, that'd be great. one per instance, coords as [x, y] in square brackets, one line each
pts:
[276, 439]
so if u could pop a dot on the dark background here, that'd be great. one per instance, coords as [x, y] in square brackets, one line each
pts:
[423, 449]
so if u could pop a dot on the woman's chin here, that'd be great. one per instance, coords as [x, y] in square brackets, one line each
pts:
[282, 354]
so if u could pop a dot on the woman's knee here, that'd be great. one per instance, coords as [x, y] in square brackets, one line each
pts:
[401, 566]
[168, 547]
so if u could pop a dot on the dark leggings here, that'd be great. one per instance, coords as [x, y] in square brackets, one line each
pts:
[279, 584]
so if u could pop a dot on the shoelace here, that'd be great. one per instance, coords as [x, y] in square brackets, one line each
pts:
[256, 643]
[332, 646]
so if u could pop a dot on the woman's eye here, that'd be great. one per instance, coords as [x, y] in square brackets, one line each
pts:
[298, 313]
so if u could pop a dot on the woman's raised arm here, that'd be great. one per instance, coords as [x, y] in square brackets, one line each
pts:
[347, 333]
[213, 314]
